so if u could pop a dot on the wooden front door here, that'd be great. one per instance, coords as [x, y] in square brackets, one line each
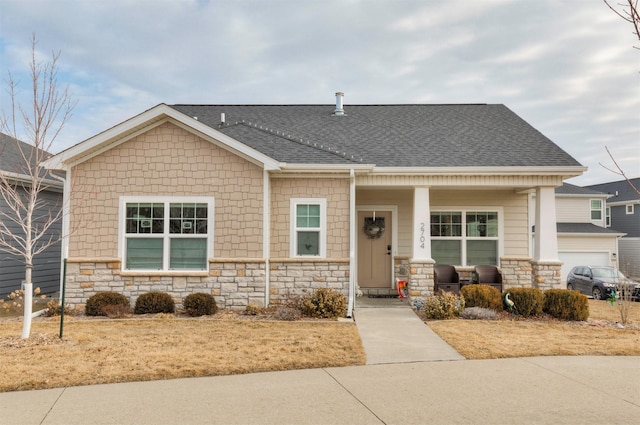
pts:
[374, 249]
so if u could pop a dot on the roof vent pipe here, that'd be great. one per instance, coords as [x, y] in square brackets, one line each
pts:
[222, 118]
[339, 108]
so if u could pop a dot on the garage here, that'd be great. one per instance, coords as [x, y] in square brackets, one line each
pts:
[572, 259]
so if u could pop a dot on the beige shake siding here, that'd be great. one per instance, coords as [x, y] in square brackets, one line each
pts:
[334, 190]
[168, 161]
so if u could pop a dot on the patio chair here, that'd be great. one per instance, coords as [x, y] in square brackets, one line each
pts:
[488, 275]
[446, 278]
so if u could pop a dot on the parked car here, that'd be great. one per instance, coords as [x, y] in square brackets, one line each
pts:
[599, 281]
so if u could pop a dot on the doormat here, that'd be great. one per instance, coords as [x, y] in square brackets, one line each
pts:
[382, 296]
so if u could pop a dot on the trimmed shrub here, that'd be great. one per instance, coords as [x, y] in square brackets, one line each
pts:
[566, 305]
[479, 295]
[478, 313]
[96, 303]
[444, 305]
[200, 304]
[154, 302]
[325, 303]
[527, 301]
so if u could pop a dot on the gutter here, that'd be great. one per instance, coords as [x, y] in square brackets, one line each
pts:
[352, 243]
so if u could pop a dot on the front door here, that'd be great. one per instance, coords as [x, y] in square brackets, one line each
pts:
[374, 249]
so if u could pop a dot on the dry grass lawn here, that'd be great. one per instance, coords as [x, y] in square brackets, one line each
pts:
[163, 347]
[490, 339]
[105, 351]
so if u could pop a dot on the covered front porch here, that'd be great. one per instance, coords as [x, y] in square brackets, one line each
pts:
[403, 229]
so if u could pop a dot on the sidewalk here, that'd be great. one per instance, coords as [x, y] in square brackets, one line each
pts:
[544, 390]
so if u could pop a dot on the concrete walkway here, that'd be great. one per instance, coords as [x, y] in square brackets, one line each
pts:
[392, 333]
[542, 390]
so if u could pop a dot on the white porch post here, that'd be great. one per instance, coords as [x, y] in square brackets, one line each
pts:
[421, 224]
[546, 237]
[421, 264]
[546, 266]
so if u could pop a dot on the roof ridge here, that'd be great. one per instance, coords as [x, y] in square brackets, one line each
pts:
[313, 145]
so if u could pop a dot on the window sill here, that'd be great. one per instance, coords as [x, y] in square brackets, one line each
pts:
[160, 273]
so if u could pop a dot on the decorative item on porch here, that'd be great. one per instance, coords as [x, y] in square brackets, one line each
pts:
[373, 227]
[402, 288]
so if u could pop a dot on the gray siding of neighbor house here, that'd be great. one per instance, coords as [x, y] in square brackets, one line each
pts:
[46, 267]
[626, 223]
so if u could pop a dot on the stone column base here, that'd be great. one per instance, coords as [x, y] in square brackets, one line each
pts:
[546, 274]
[420, 279]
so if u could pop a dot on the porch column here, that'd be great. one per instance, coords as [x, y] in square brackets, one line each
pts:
[421, 224]
[546, 237]
[421, 263]
[546, 266]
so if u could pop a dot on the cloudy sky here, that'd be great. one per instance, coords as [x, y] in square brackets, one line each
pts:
[568, 67]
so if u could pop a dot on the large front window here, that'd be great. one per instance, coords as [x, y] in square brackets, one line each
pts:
[465, 238]
[173, 234]
[308, 218]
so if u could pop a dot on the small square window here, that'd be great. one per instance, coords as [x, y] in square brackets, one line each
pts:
[629, 208]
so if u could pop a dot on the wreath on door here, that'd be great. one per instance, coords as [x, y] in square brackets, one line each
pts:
[373, 227]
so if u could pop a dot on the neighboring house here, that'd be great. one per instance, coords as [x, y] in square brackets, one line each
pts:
[583, 238]
[623, 214]
[46, 267]
[261, 203]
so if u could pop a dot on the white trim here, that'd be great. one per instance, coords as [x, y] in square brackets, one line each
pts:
[471, 208]
[322, 202]
[626, 209]
[393, 209]
[165, 235]
[352, 243]
[483, 171]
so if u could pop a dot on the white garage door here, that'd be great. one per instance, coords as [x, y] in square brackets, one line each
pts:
[572, 259]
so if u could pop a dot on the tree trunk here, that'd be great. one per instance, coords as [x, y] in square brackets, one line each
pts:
[28, 303]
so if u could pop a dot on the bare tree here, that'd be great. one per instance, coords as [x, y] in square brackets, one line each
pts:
[629, 12]
[38, 123]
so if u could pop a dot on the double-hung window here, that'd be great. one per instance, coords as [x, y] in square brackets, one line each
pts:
[465, 238]
[596, 209]
[167, 233]
[308, 227]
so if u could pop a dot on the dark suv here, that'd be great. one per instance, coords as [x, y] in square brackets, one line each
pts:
[598, 281]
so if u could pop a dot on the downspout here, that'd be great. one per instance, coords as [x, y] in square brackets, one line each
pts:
[352, 242]
[266, 233]
[64, 242]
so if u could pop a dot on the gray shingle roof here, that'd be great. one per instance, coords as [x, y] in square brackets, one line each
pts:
[584, 228]
[624, 191]
[570, 189]
[387, 135]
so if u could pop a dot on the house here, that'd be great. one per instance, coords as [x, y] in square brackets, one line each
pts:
[623, 214]
[261, 203]
[46, 266]
[583, 238]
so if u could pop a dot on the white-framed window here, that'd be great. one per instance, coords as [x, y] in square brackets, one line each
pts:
[607, 216]
[308, 227]
[166, 233]
[629, 209]
[596, 209]
[465, 237]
